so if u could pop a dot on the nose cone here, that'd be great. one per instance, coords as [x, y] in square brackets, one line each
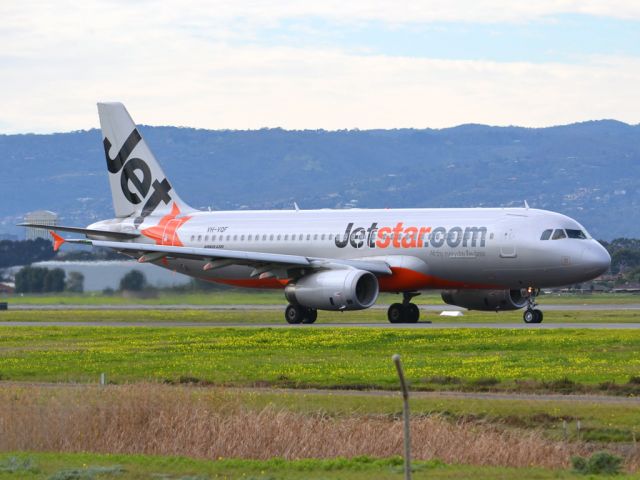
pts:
[595, 259]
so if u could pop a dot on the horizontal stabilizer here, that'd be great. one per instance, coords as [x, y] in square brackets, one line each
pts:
[57, 240]
[84, 231]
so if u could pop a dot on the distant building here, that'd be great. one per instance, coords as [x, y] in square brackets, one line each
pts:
[41, 217]
[628, 288]
[7, 287]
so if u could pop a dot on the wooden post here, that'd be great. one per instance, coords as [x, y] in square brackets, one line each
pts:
[405, 415]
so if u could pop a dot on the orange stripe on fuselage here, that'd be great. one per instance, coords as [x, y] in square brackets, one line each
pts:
[401, 280]
[405, 280]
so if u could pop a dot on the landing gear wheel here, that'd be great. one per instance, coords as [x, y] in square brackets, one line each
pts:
[412, 313]
[403, 313]
[294, 314]
[395, 314]
[529, 316]
[538, 316]
[532, 314]
[310, 315]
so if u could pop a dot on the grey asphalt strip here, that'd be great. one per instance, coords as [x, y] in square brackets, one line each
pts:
[445, 395]
[427, 308]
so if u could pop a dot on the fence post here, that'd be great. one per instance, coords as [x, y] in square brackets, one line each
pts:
[102, 380]
[405, 415]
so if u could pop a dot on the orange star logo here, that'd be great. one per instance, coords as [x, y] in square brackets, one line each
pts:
[165, 232]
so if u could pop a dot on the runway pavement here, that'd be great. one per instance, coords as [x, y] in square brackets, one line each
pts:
[426, 308]
[420, 325]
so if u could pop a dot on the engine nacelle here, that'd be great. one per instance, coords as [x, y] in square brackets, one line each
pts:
[485, 299]
[345, 289]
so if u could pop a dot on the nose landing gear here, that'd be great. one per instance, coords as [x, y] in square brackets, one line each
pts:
[532, 314]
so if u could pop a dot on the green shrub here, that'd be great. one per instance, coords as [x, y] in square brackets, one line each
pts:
[133, 281]
[15, 464]
[599, 462]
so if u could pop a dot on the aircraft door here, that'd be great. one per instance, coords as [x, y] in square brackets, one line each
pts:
[508, 244]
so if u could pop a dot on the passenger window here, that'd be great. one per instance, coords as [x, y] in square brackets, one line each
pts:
[242, 237]
[213, 238]
[558, 234]
[279, 237]
[546, 234]
[235, 238]
[331, 236]
[199, 238]
[576, 234]
[315, 237]
[308, 237]
[286, 237]
[249, 238]
[271, 237]
[193, 237]
[322, 237]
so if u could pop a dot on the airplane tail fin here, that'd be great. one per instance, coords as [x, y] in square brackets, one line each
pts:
[139, 187]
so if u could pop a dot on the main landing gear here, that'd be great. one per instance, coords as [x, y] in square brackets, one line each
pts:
[532, 314]
[299, 314]
[405, 312]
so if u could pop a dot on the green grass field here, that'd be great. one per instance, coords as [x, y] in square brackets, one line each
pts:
[41, 466]
[270, 297]
[565, 361]
[445, 359]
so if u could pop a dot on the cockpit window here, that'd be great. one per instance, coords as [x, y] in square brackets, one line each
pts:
[546, 234]
[576, 234]
[558, 234]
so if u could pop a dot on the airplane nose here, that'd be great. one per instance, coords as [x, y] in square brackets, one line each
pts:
[595, 259]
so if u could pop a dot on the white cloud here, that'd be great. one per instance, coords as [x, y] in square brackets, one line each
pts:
[184, 66]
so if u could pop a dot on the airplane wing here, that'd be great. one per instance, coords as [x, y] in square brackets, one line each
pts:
[218, 258]
[84, 231]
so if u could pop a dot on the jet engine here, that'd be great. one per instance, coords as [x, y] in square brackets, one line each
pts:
[485, 299]
[344, 289]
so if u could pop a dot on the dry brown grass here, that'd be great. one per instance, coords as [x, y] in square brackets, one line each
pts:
[168, 420]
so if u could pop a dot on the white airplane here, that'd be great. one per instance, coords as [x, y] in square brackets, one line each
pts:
[481, 258]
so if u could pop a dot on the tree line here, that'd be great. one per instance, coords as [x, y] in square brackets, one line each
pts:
[44, 280]
[25, 252]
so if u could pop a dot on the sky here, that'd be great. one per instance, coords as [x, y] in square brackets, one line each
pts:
[330, 64]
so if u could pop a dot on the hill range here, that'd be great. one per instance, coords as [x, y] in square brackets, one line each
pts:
[589, 170]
